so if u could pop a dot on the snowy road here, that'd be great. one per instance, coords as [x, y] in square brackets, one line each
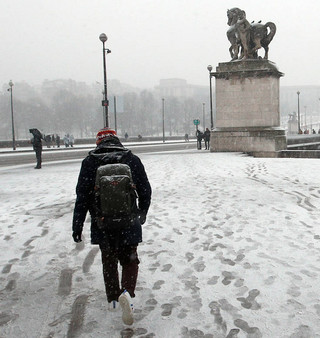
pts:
[9, 157]
[231, 249]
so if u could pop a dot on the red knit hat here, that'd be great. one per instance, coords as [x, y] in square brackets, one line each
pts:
[103, 134]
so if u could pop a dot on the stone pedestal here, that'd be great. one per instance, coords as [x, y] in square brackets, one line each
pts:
[247, 108]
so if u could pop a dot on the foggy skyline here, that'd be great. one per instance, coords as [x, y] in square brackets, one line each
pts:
[149, 40]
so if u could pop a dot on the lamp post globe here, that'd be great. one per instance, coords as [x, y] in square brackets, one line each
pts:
[103, 37]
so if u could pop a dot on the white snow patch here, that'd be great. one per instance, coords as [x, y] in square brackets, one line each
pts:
[231, 246]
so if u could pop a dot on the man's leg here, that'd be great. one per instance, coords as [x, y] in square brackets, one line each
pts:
[129, 261]
[109, 258]
[38, 156]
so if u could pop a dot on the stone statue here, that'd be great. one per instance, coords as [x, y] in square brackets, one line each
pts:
[249, 37]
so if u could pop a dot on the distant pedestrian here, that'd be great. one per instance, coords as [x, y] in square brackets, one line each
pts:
[53, 140]
[71, 140]
[66, 140]
[199, 135]
[140, 137]
[313, 131]
[37, 145]
[126, 136]
[206, 136]
[58, 141]
[186, 137]
[47, 138]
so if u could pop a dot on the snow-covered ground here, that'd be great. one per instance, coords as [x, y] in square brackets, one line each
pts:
[231, 249]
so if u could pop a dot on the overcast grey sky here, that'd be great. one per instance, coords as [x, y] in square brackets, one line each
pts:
[149, 40]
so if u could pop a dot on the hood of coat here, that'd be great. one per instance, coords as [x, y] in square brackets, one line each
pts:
[35, 132]
[112, 147]
[111, 142]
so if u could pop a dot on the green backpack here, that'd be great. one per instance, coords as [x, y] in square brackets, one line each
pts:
[115, 196]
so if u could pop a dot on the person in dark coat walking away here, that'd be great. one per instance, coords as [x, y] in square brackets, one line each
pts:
[115, 245]
[206, 136]
[199, 135]
[37, 145]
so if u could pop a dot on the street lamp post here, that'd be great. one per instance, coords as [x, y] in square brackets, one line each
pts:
[103, 38]
[115, 114]
[210, 76]
[298, 93]
[12, 121]
[163, 136]
[318, 113]
[203, 116]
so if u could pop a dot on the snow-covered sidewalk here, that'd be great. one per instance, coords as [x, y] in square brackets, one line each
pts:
[231, 249]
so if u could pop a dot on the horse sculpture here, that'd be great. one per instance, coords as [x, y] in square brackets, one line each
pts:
[248, 37]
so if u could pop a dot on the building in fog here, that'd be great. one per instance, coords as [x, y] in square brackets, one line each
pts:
[179, 88]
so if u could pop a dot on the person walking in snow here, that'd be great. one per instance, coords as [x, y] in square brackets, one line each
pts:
[58, 140]
[115, 245]
[199, 135]
[206, 137]
[66, 140]
[47, 138]
[37, 145]
[71, 140]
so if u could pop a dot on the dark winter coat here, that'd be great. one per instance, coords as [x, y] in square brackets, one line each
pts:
[199, 135]
[37, 137]
[85, 193]
[206, 135]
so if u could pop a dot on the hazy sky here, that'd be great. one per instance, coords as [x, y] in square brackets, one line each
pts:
[149, 40]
